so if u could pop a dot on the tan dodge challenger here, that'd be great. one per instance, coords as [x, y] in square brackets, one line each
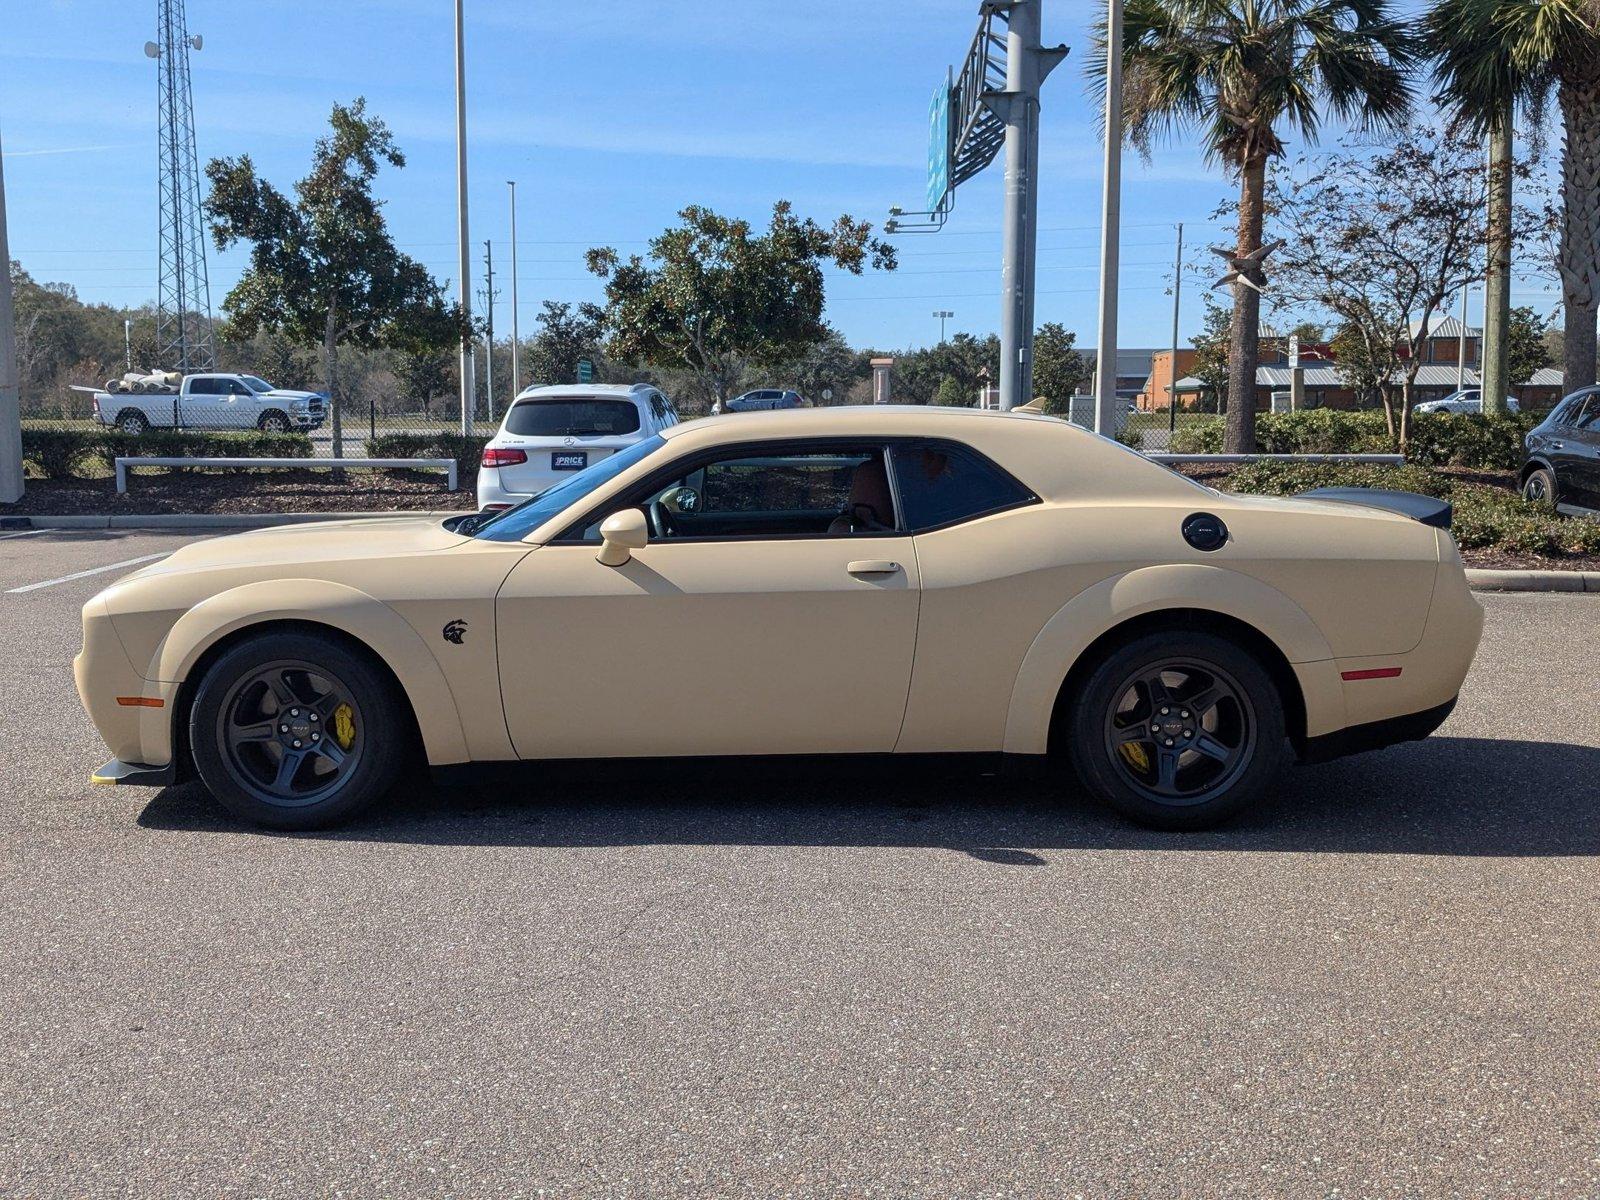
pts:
[847, 581]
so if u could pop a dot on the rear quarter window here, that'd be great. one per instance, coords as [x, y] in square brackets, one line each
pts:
[940, 484]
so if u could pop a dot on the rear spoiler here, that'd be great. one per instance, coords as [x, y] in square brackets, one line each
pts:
[1429, 510]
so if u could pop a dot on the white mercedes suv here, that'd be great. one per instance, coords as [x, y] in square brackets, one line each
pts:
[551, 432]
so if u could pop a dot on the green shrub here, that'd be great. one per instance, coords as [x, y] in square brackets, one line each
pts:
[1323, 431]
[1290, 478]
[467, 451]
[1199, 435]
[193, 443]
[951, 394]
[1469, 440]
[55, 453]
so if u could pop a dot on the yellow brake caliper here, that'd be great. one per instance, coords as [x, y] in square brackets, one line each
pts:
[1136, 756]
[344, 726]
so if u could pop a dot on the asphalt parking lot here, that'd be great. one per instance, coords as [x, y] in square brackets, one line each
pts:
[1385, 984]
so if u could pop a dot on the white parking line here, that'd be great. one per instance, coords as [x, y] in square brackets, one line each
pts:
[6, 537]
[129, 562]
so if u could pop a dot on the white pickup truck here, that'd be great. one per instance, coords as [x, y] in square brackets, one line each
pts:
[210, 402]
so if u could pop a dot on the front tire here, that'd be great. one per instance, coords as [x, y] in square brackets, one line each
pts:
[1177, 730]
[1540, 487]
[273, 422]
[297, 731]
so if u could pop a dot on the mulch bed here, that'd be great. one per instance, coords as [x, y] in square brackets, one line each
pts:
[193, 491]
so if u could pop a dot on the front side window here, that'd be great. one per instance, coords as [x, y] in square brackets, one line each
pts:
[573, 417]
[941, 483]
[768, 494]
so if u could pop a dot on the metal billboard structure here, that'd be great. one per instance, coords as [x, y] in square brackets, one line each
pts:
[993, 101]
[184, 339]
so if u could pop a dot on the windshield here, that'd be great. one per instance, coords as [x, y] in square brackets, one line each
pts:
[514, 524]
[576, 417]
[255, 383]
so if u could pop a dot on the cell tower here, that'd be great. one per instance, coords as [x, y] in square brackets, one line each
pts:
[183, 293]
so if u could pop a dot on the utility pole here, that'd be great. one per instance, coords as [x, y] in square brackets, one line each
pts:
[464, 283]
[516, 349]
[1461, 346]
[10, 403]
[488, 325]
[1027, 65]
[1177, 291]
[1105, 392]
[127, 340]
[1497, 285]
[943, 314]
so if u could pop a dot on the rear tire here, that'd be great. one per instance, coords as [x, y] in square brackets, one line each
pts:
[297, 731]
[1540, 487]
[132, 422]
[1177, 730]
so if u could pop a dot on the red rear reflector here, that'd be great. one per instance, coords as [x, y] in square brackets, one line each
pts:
[141, 702]
[504, 458]
[1371, 673]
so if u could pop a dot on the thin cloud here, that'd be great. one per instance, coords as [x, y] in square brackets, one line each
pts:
[59, 150]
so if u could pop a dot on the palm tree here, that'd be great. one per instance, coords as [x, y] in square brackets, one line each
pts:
[1493, 55]
[1238, 71]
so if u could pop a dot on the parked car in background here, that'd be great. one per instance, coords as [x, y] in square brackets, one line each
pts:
[1563, 462]
[763, 400]
[211, 401]
[1467, 400]
[550, 433]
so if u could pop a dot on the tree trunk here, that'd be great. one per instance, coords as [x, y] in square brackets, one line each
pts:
[1579, 257]
[1495, 378]
[330, 365]
[1244, 333]
[1402, 441]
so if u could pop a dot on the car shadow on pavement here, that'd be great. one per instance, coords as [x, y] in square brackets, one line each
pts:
[1458, 796]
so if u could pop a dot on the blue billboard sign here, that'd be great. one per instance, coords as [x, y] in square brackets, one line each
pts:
[939, 146]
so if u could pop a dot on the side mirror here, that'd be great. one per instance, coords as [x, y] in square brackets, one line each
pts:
[620, 535]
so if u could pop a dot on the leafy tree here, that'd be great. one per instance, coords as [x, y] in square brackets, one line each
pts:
[1493, 55]
[51, 329]
[951, 394]
[423, 373]
[323, 266]
[1059, 371]
[1367, 359]
[918, 373]
[828, 364]
[566, 333]
[1211, 353]
[713, 292]
[1241, 71]
[1527, 349]
[1383, 241]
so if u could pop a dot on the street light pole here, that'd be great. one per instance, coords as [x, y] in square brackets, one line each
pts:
[127, 340]
[464, 280]
[516, 350]
[1177, 292]
[1105, 412]
[942, 314]
[10, 404]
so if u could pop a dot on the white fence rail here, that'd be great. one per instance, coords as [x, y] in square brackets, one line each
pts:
[447, 465]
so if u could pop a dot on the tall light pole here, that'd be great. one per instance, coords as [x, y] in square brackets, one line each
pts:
[488, 325]
[516, 350]
[10, 407]
[127, 340]
[1494, 372]
[1026, 67]
[943, 314]
[1105, 393]
[464, 274]
[1177, 293]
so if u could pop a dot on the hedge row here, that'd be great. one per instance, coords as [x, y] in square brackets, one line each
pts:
[60, 453]
[467, 451]
[1485, 517]
[1437, 439]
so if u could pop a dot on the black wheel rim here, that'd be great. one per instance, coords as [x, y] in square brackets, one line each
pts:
[1180, 732]
[291, 733]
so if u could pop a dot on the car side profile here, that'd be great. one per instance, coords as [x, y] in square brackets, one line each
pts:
[1562, 466]
[1467, 400]
[849, 581]
[763, 400]
[550, 433]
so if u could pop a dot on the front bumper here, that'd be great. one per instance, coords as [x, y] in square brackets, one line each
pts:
[135, 774]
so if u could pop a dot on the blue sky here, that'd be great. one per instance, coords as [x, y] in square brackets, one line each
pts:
[611, 117]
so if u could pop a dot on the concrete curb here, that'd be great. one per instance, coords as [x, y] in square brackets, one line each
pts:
[1534, 581]
[207, 520]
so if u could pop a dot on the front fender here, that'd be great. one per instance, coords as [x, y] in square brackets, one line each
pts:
[1109, 603]
[339, 606]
